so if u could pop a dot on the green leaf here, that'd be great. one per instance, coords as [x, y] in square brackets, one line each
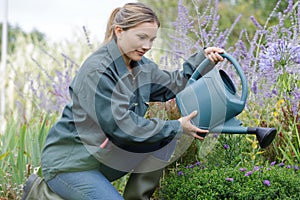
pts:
[4, 155]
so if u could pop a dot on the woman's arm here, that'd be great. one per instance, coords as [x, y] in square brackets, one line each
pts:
[167, 84]
[108, 104]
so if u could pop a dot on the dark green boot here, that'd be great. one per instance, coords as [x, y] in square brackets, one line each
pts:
[36, 188]
[141, 186]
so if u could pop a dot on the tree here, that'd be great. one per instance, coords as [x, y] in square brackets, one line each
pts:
[14, 32]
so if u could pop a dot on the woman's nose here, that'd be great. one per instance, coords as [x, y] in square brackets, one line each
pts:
[147, 44]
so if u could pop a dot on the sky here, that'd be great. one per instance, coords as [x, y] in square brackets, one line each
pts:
[60, 19]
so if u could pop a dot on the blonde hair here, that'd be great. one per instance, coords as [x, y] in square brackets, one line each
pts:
[129, 16]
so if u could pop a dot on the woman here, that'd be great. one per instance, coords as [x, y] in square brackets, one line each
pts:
[103, 134]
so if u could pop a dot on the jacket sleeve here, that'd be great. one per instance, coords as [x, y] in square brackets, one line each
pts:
[106, 102]
[168, 84]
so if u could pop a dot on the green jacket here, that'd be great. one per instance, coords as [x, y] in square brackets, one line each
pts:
[110, 102]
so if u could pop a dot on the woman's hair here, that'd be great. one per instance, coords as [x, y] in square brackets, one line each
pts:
[129, 16]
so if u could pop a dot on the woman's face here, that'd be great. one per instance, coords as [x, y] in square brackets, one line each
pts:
[135, 42]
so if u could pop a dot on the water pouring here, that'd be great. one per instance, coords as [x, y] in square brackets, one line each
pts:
[213, 94]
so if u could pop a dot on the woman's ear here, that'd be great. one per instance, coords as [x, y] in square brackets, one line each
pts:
[118, 32]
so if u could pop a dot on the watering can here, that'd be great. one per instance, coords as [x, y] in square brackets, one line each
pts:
[213, 94]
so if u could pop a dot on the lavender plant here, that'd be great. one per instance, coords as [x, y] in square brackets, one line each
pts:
[270, 60]
[274, 77]
[195, 32]
[49, 72]
[52, 90]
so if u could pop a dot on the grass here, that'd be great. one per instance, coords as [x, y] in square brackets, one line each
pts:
[20, 153]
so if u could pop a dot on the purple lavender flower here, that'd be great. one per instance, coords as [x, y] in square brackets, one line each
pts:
[183, 22]
[278, 57]
[256, 168]
[229, 179]
[295, 100]
[243, 169]
[267, 182]
[56, 86]
[280, 164]
[226, 146]
[197, 163]
[274, 91]
[87, 37]
[180, 173]
[296, 168]
[248, 173]
[290, 7]
[254, 87]
[288, 166]
[273, 163]
[295, 54]
[255, 22]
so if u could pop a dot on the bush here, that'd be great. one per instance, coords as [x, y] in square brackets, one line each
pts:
[198, 181]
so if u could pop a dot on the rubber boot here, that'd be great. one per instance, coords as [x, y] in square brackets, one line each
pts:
[36, 188]
[141, 186]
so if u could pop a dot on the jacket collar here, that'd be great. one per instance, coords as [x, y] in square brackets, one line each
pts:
[118, 60]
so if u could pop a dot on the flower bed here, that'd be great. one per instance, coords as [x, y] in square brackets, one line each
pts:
[199, 181]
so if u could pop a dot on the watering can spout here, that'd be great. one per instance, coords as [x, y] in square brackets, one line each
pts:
[264, 135]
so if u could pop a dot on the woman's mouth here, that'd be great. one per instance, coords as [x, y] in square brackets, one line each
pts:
[140, 53]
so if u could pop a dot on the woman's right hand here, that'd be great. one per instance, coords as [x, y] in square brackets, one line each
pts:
[189, 128]
[213, 53]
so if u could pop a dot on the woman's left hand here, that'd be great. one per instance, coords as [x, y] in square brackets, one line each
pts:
[213, 54]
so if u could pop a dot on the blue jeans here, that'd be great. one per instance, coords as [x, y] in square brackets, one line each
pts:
[95, 184]
[86, 185]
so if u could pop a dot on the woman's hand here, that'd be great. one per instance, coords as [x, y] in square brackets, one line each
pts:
[189, 128]
[213, 54]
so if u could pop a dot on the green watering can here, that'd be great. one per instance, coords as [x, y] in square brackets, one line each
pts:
[213, 94]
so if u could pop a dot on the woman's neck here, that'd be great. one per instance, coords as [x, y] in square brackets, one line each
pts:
[127, 62]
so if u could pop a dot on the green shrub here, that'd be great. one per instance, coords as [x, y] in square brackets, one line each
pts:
[199, 181]
[227, 172]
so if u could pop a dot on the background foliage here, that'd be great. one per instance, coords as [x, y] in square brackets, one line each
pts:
[264, 39]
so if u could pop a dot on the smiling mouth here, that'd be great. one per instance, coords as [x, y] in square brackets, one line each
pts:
[140, 53]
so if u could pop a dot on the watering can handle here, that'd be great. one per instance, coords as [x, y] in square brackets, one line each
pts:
[201, 69]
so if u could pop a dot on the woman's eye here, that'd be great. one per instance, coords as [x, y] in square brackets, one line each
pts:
[142, 37]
